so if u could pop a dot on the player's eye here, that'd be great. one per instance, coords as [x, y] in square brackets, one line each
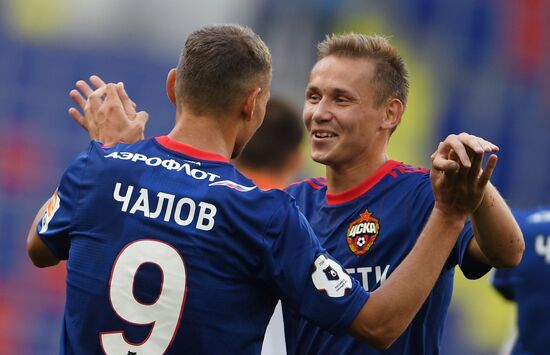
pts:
[313, 98]
[341, 99]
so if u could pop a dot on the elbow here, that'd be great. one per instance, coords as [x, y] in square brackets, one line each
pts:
[516, 252]
[38, 258]
[41, 264]
[517, 255]
[382, 342]
[380, 336]
[511, 261]
[513, 254]
[379, 324]
[517, 248]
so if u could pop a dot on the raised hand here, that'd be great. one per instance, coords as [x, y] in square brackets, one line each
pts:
[110, 120]
[457, 177]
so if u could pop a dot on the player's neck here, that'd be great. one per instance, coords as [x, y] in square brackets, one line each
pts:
[205, 133]
[345, 177]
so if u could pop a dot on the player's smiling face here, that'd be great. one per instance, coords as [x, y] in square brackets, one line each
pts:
[339, 111]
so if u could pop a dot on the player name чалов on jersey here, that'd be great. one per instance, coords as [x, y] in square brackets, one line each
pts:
[204, 218]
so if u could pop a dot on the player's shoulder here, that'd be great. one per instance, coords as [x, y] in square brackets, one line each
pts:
[235, 188]
[263, 209]
[407, 171]
[269, 197]
[310, 184]
[414, 179]
[120, 150]
[118, 157]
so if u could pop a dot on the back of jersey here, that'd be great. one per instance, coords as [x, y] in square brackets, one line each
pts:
[165, 252]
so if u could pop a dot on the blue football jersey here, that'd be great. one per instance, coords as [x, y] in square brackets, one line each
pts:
[171, 250]
[370, 229]
[528, 284]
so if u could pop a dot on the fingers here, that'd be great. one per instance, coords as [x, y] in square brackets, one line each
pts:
[112, 96]
[445, 158]
[84, 88]
[140, 121]
[77, 98]
[454, 149]
[488, 171]
[477, 160]
[127, 103]
[458, 147]
[477, 144]
[94, 99]
[142, 117]
[78, 117]
[443, 164]
[97, 81]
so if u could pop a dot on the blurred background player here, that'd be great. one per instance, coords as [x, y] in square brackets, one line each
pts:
[527, 284]
[272, 158]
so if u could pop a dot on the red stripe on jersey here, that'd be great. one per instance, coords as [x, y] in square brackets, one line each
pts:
[174, 145]
[316, 183]
[362, 188]
[321, 182]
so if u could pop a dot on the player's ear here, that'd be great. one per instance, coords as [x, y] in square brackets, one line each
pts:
[171, 85]
[393, 111]
[250, 103]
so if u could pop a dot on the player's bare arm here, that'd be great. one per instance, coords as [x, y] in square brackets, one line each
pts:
[109, 115]
[458, 190]
[38, 252]
[498, 239]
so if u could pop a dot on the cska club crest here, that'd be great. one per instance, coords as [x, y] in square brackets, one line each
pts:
[362, 233]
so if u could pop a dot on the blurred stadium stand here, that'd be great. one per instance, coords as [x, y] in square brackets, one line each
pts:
[476, 66]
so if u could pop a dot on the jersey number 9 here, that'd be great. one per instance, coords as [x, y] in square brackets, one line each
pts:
[164, 313]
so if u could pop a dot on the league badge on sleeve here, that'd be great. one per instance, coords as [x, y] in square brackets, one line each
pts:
[329, 277]
[52, 207]
[362, 233]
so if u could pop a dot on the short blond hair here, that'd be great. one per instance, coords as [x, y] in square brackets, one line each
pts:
[391, 78]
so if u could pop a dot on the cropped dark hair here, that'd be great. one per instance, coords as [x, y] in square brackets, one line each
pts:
[218, 64]
[276, 139]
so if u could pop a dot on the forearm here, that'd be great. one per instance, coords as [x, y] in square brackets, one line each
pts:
[498, 238]
[391, 308]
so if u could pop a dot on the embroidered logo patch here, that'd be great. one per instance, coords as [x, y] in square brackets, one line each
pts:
[329, 277]
[362, 233]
